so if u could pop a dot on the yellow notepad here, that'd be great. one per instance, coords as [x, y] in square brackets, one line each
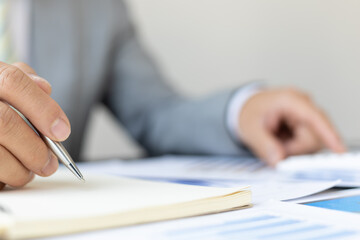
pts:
[61, 204]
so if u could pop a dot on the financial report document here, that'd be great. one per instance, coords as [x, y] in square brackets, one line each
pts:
[270, 220]
[216, 171]
[267, 219]
[324, 166]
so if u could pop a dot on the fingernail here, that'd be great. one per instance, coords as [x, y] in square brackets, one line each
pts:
[51, 165]
[60, 129]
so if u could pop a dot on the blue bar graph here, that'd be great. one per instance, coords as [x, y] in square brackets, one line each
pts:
[292, 232]
[346, 204]
[265, 226]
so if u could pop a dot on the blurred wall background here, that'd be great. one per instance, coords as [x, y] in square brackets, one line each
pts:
[206, 45]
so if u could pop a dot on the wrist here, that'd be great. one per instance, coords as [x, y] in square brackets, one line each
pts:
[236, 104]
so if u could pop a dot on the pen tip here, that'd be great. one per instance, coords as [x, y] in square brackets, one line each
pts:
[77, 172]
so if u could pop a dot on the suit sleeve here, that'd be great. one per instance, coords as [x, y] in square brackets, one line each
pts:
[159, 118]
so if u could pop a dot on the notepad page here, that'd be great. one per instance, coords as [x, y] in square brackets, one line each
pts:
[63, 196]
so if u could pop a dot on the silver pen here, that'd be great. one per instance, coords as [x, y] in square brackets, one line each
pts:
[56, 147]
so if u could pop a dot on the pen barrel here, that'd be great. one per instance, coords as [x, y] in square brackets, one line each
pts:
[56, 147]
[59, 150]
[64, 157]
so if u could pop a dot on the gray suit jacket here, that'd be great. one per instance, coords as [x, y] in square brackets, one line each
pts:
[89, 52]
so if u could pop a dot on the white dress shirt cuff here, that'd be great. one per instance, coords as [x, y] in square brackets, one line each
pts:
[238, 100]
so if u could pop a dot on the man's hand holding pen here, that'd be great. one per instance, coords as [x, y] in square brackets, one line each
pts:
[22, 152]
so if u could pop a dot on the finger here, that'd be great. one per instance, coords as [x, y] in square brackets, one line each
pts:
[20, 91]
[308, 114]
[12, 172]
[337, 137]
[2, 185]
[41, 82]
[19, 139]
[265, 145]
[303, 142]
[24, 67]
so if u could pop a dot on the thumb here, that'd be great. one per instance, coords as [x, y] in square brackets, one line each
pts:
[267, 147]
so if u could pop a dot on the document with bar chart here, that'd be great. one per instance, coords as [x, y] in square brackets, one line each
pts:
[271, 220]
[215, 171]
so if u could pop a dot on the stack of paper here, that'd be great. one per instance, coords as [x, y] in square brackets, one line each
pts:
[218, 171]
